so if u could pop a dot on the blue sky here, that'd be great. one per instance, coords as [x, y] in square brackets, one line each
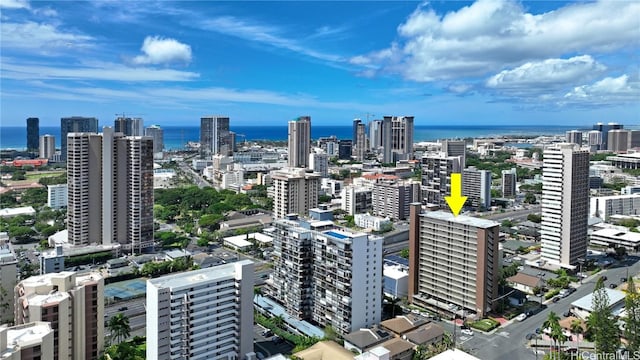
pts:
[445, 62]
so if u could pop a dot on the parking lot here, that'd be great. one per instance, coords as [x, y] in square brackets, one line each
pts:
[266, 346]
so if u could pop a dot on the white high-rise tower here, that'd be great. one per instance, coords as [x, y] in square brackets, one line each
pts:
[565, 204]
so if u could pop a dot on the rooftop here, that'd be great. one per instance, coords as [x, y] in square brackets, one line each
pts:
[460, 219]
[402, 324]
[27, 334]
[425, 334]
[325, 350]
[585, 302]
[193, 277]
[454, 354]
[365, 338]
[276, 309]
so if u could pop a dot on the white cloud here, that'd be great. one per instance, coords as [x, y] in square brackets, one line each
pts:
[159, 50]
[14, 4]
[97, 71]
[263, 34]
[45, 11]
[609, 90]
[490, 35]
[547, 75]
[40, 38]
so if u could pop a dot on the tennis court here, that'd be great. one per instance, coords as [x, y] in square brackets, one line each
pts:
[125, 290]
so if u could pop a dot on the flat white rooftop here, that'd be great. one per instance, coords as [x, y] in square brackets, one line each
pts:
[185, 279]
[27, 334]
[460, 219]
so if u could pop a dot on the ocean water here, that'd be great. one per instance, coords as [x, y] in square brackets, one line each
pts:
[176, 137]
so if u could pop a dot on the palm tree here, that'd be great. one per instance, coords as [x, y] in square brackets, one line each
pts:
[577, 329]
[557, 334]
[119, 327]
[551, 323]
[257, 291]
[278, 321]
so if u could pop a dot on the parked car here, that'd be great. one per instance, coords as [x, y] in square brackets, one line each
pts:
[613, 285]
[556, 298]
[623, 279]
[467, 332]
[604, 278]
[521, 317]
[566, 314]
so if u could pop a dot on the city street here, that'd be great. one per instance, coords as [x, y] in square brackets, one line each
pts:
[136, 312]
[509, 343]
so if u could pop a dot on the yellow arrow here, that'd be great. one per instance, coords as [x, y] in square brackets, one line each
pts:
[456, 200]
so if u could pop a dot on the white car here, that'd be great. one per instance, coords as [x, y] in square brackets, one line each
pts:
[467, 332]
[521, 317]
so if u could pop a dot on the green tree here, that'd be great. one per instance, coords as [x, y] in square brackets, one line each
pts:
[552, 323]
[534, 218]
[632, 322]
[404, 253]
[530, 198]
[602, 322]
[278, 321]
[119, 327]
[330, 333]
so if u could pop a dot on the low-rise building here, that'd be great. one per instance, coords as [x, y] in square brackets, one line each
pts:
[52, 261]
[375, 223]
[525, 282]
[57, 196]
[617, 236]
[364, 339]
[583, 307]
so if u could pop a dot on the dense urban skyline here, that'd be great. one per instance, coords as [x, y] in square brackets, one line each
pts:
[450, 62]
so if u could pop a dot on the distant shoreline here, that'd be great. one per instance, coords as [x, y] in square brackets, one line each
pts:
[176, 137]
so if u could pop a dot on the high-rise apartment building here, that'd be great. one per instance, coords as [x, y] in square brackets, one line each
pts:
[73, 304]
[294, 191]
[157, 133]
[345, 148]
[331, 276]
[509, 181]
[292, 277]
[360, 141]
[454, 262]
[397, 138]
[75, 124]
[375, 135]
[299, 142]
[319, 162]
[356, 199]
[476, 186]
[356, 122]
[565, 204]
[201, 314]
[618, 140]
[8, 279]
[436, 177]
[347, 280]
[129, 126]
[574, 137]
[47, 146]
[392, 198]
[30, 341]
[215, 138]
[456, 148]
[110, 190]
[33, 133]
